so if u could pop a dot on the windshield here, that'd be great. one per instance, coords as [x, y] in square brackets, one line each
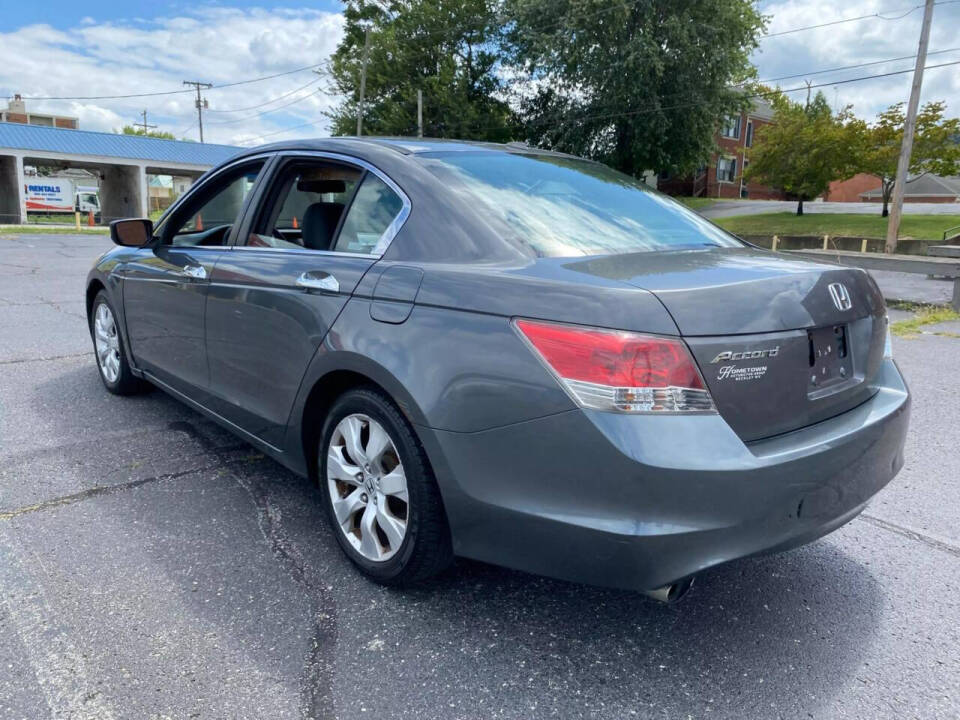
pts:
[564, 207]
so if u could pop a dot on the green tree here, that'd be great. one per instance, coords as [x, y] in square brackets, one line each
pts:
[805, 148]
[131, 130]
[936, 146]
[445, 48]
[638, 85]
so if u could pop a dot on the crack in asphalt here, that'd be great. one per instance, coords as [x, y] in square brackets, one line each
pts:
[18, 361]
[911, 534]
[316, 678]
[98, 491]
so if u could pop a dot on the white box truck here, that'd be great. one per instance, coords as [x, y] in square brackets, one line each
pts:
[47, 195]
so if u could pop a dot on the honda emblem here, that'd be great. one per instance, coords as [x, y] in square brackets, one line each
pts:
[840, 296]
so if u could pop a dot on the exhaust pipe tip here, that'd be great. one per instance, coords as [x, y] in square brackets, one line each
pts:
[672, 593]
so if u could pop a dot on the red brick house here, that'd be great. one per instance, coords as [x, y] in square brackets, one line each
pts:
[851, 189]
[722, 176]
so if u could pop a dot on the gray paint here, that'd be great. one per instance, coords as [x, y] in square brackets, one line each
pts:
[528, 479]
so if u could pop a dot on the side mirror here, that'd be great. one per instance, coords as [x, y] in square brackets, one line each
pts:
[131, 233]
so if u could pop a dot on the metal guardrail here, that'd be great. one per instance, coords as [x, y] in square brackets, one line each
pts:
[946, 233]
[942, 266]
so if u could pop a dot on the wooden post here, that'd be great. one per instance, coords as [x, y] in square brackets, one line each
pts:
[76, 218]
[776, 241]
[863, 245]
[826, 239]
[909, 124]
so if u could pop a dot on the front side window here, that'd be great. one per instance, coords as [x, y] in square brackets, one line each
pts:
[558, 206]
[372, 212]
[726, 169]
[206, 220]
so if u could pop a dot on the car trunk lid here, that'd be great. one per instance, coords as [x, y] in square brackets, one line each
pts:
[781, 343]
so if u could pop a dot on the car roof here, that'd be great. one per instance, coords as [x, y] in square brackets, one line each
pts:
[401, 145]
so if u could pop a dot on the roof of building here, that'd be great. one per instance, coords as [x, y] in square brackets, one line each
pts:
[761, 109]
[928, 185]
[134, 147]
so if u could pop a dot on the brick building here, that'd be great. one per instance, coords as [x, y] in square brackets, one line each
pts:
[722, 176]
[16, 112]
[926, 188]
[850, 190]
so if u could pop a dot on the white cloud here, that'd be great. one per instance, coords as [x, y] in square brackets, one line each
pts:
[858, 42]
[211, 44]
[221, 45]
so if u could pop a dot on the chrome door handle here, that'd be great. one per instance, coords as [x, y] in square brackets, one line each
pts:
[197, 272]
[317, 280]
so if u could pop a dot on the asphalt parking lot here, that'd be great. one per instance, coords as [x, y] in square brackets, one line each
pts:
[153, 566]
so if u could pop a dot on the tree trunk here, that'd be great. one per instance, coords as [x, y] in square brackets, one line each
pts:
[800, 206]
[887, 192]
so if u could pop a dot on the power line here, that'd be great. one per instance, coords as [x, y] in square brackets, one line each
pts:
[170, 92]
[680, 106]
[289, 129]
[265, 112]
[845, 67]
[877, 15]
[268, 102]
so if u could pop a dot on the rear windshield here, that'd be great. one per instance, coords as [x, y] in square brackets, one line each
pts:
[566, 207]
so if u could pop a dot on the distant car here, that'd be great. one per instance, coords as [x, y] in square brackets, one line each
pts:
[510, 355]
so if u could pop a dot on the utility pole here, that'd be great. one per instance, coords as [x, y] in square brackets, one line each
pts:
[143, 125]
[202, 103]
[420, 113]
[909, 125]
[363, 79]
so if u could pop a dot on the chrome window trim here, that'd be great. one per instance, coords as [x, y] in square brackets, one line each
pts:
[388, 235]
[209, 176]
[301, 250]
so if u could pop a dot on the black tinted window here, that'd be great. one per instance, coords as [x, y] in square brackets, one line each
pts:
[564, 207]
[371, 213]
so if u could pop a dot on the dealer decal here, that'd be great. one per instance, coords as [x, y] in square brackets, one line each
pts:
[739, 374]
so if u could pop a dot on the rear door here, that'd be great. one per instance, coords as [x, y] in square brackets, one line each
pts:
[322, 221]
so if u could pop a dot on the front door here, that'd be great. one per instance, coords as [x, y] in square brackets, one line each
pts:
[273, 298]
[165, 286]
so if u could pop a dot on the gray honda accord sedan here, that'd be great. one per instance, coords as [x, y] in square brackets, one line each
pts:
[510, 355]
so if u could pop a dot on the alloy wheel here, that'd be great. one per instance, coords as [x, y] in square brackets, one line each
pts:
[368, 487]
[107, 342]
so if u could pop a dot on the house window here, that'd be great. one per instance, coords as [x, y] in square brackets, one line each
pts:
[726, 169]
[748, 141]
[731, 128]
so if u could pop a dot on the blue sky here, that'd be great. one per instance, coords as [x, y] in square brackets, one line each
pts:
[63, 14]
[108, 47]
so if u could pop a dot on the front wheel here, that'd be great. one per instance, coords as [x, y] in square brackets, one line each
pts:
[381, 497]
[108, 347]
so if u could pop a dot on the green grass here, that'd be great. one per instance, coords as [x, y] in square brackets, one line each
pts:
[696, 203]
[49, 230]
[929, 315]
[921, 227]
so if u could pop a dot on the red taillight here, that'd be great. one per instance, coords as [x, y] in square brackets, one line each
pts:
[615, 370]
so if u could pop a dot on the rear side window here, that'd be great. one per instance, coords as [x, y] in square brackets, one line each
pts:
[554, 206]
[374, 208]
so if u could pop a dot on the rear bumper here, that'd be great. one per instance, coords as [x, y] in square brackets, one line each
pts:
[637, 501]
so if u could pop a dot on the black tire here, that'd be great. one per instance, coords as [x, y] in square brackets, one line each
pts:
[426, 548]
[125, 383]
